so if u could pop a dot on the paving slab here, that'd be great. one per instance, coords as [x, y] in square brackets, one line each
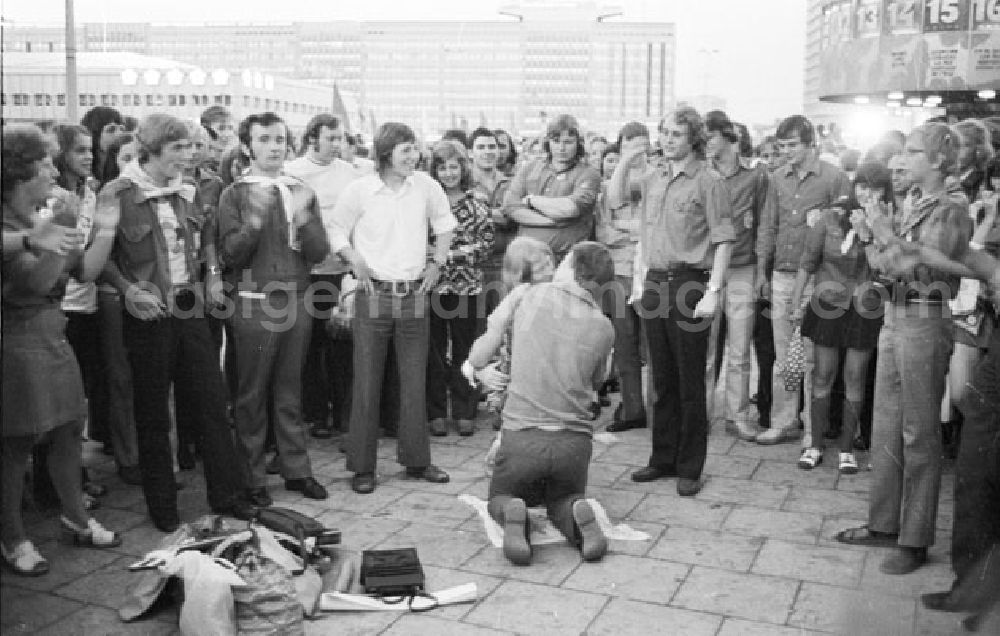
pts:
[707, 547]
[787, 473]
[829, 503]
[730, 466]
[515, 606]
[800, 527]
[844, 611]
[810, 563]
[740, 627]
[26, 612]
[428, 625]
[94, 619]
[550, 564]
[743, 491]
[624, 617]
[752, 596]
[629, 577]
[674, 510]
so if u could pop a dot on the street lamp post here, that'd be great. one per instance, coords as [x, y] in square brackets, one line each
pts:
[71, 91]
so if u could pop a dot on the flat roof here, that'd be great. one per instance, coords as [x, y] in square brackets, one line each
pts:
[16, 63]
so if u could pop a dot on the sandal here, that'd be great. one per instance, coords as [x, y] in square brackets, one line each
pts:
[24, 559]
[863, 535]
[93, 536]
[810, 458]
[848, 465]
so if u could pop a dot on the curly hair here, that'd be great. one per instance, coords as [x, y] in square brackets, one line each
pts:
[446, 150]
[66, 135]
[24, 145]
[697, 133]
[110, 171]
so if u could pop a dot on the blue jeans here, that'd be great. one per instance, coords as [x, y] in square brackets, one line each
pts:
[405, 321]
[913, 355]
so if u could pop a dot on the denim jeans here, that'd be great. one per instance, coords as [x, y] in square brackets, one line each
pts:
[271, 336]
[454, 327]
[784, 403]
[678, 347]
[628, 338]
[405, 320]
[179, 351]
[737, 316]
[542, 467]
[913, 355]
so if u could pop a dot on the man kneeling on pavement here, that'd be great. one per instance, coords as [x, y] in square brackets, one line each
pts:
[560, 341]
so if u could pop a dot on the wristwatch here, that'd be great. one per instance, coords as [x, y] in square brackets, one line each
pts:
[214, 269]
[713, 287]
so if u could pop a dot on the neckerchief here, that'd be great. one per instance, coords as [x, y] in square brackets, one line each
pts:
[149, 190]
[281, 183]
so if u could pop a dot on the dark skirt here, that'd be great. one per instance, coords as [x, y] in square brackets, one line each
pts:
[42, 387]
[831, 326]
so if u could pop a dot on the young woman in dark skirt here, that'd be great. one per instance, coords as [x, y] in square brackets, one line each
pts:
[845, 313]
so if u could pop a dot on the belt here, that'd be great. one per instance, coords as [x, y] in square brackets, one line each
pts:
[396, 287]
[674, 271]
[904, 295]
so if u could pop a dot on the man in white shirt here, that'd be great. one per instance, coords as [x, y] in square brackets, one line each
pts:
[323, 170]
[380, 226]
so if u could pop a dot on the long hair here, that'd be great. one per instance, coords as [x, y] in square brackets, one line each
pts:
[446, 150]
[66, 135]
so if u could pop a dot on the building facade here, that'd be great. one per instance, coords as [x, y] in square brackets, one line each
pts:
[34, 88]
[541, 59]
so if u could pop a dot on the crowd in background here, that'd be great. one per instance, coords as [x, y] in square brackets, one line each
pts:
[345, 286]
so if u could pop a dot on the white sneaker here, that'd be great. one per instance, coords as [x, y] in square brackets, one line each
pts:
[24, 559]
[848, 465]
[810, 458]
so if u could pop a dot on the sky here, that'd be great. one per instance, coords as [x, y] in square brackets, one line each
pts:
[750, 52]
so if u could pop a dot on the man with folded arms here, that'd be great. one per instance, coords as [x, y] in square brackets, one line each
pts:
[380, 226]
[560, 341]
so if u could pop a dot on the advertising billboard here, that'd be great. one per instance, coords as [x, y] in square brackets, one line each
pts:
[877, 46]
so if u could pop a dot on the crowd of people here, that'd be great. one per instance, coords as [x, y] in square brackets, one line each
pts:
[394, 295]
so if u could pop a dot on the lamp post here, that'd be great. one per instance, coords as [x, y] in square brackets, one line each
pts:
[72, 98]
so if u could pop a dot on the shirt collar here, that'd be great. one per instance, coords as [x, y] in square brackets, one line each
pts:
[809, 165]
[742, 163]
[379, 185]
[690, 167]
[574, 289]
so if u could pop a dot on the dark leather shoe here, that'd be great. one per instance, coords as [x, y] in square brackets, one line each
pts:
[308, 486]
[363, 483]
[321, 432]
[131, 475]
[619, 426]
[273, 465]
[904, 560]
[943, 602]
[239, 508]
[688, 487]
[259, 497]
[650, 473]
[431, 473]
[185, 458]
[167, 524]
